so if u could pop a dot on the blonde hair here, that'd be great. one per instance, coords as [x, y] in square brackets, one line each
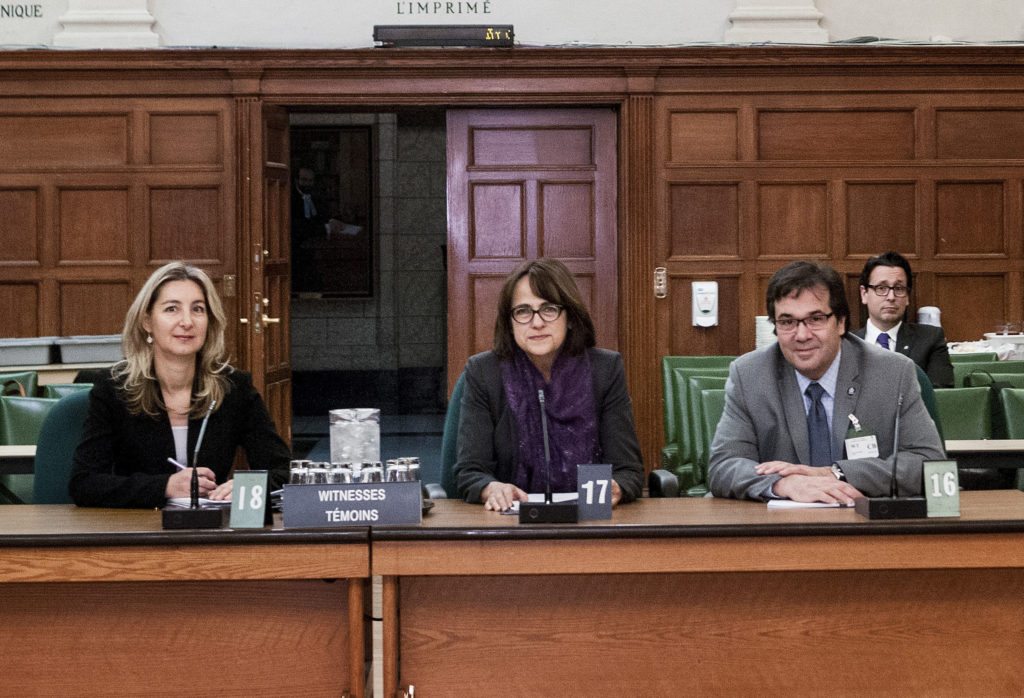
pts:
[140, 385]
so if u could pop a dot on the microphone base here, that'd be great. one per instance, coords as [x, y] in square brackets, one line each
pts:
[891, 507]
[179, 518]
[548, 513]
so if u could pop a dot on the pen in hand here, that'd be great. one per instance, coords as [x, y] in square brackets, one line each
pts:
[176, 464]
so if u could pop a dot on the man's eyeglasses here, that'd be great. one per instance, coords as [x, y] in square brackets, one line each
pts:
[523, 314]
[811, 322]
[883, 290]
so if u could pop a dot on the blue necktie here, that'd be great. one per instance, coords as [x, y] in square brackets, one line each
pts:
[883, 340]
[817, 427]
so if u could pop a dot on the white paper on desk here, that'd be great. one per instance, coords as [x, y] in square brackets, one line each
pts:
[538, 498]
[790, 504]
[186, 502]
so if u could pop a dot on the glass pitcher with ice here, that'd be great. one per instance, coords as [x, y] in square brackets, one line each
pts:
[355, 435]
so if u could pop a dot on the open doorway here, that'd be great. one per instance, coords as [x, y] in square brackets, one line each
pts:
[382, 345]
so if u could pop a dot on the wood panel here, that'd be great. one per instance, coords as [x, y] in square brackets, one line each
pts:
[971, 304]
[63, 140]
[793, 220]
[700, 136]
[19, 225]
[524, 184]
[704, 220]
[881, 216]
[19, 307]
[969, 134]
[93, 225]
[185, 139]
[839, 135]
[181, 220]
[969, 217]
[93, 307]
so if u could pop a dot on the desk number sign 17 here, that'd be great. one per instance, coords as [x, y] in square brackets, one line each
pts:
[594, 486]
[249, 499]
[942, 488]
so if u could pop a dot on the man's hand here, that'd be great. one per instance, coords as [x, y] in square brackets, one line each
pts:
[816, 488]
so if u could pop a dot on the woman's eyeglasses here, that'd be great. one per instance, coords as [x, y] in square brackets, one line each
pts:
[523, 314]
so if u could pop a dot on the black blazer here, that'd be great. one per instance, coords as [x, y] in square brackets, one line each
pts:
[487, 440]
[926, 345]
[121, 460]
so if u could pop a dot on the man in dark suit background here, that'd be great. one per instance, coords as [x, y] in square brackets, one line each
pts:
[311, 223]
[885, 285]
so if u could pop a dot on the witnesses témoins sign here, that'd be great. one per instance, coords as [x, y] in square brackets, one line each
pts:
[404, 8]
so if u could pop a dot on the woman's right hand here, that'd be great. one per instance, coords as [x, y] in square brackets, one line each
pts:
[498, 496]
[180, 484]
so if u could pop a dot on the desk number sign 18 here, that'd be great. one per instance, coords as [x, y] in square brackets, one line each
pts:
[249, 499]
[594, 485]
[942, 488]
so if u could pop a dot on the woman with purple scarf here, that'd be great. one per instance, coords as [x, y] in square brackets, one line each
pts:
[543, 341]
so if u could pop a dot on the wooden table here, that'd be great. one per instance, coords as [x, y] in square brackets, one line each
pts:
[987, 453]
[101, 602]
[706, 597]
[17, 460]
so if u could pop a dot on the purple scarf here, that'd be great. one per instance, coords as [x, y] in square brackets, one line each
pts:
[572, 419]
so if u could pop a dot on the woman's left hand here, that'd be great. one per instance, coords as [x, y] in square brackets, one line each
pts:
[224, 491]
[616, 493]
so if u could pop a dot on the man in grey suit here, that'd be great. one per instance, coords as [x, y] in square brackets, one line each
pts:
[811, 418]
[885, 285]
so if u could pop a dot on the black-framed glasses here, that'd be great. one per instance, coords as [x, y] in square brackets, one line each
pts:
[523, 314]
[883, 290]
[817, 321]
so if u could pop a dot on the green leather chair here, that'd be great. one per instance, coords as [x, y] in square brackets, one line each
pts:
[670, 452]
[983, 378]
[973, 357]
[59, 390]
[27, 380]
[712, 401]
[962, 370]
[699, 446]
[449, 446]
[928, 398]
[21, 419]
[1013, 409]
[58, 438]
[679, 456]
[966, 413]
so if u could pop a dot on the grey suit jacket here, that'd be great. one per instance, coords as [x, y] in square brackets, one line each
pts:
[926, 345]
[765, 420]
[487, 431]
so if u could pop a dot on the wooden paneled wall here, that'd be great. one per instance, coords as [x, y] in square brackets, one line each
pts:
[751, 181]
[95, 192]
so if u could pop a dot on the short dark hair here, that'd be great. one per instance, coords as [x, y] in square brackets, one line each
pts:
[886, 259]
[801, 275]
[552, 281]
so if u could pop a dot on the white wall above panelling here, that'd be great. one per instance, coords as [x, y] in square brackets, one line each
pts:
[349, 23]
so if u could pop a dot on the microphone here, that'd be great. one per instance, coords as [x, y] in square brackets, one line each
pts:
[194, 516]
[194, 485]
[548, 512]
[893, 506]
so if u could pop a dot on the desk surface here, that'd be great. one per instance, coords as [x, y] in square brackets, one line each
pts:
[954, 446]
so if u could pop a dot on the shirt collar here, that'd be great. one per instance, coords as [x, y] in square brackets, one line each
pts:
[871, 332]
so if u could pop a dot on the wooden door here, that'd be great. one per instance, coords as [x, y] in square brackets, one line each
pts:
[267, 312]
[523, 184]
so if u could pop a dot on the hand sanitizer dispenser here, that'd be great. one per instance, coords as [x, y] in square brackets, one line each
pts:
[705, 303]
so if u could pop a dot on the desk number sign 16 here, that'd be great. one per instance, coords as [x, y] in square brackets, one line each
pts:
[249, 499]
[942, 488]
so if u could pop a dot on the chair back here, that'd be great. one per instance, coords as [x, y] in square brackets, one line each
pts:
[962, 370]
[966, 413]
[21, 419]
[679, 454]
[59, 390]
[712, 401]
[695, 413]
[981, 378]
[22, 383]
[450, 439]
[928, 398]
[58, 438]
[974, 356]
[669, 364]
[1013, 410]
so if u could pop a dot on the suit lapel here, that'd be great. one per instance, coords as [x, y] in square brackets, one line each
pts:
[847, 393]
[905, 339]
[793, 408]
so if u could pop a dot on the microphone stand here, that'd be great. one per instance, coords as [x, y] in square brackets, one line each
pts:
[195, 516]
[893, 506]
[548, 512]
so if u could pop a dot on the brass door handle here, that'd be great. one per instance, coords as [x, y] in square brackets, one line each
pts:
[271, 320]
